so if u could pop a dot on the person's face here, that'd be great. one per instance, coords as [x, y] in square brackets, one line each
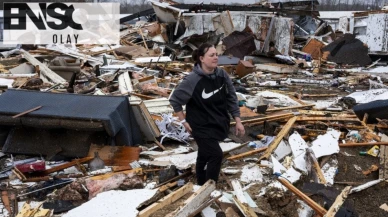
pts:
[209, 61]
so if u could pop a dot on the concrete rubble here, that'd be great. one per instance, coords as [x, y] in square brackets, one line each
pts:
[313, 96]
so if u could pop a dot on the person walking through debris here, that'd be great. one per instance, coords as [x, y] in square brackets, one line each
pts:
[209, 95]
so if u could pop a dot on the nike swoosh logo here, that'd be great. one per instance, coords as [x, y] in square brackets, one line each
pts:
[208, 95]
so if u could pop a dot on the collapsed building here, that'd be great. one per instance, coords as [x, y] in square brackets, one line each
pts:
[91, 126]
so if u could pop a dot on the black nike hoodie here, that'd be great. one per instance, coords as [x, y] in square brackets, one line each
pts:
[208, 99]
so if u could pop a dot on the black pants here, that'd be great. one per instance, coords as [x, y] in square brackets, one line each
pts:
[209, 155]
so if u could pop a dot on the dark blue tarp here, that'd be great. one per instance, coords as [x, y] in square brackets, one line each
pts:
[375, 109]
[113, 111]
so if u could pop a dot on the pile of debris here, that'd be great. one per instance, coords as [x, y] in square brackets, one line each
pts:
[91, 126]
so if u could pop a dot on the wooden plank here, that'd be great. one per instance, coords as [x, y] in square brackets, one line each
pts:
[279, 119]
[365, 119]
[195, 200]
[171, 198]
[67, 165]
[289, 108]
[338, 202]
[26, 112]
[363, 144]
[266, 118]
[46, 74]
[25, 210]
[327, 119]
[142, 36]
[241, 201]
[383, 170]
[203, 206]
[245, 154]
[370, 131]
[244, 208]
[316, 207]
[115, 155]
[274, 144]
[319, 95]
[316, 166]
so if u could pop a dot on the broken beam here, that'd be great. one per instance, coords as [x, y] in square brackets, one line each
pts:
[288, 108]
[316, 207]
[241, 201]
[319, 95]
[245, 154]
[46, 74]
[338, 202]
[362, 144]
[67, 165]
[195, 200]
[203, 206]
[316, 166]
[274, 144]
[327, 119]
[171, 198]
[267, 118]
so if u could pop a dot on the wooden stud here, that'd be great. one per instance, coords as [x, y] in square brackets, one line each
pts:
[67, 165]
[316, 207]
[194, 201]
[319, 95]
[289, 108]
[362, 144]
[338, 202]
[316, 166]
[327, 119]
[264, 118]
[274, 144]
[365, 119]
[241, 201]
[245, 154]
[171, 198]
[145, 44]
[203, 206]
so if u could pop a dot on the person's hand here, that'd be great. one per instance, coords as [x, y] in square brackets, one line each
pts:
[240, 131]
[187, 126]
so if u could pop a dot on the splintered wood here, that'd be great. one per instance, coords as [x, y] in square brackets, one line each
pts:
[195, 201]
[278, 138]
[171, 198]
[338, 202]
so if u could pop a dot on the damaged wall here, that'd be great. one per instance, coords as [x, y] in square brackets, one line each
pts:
[227, 22]
[371, 28]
